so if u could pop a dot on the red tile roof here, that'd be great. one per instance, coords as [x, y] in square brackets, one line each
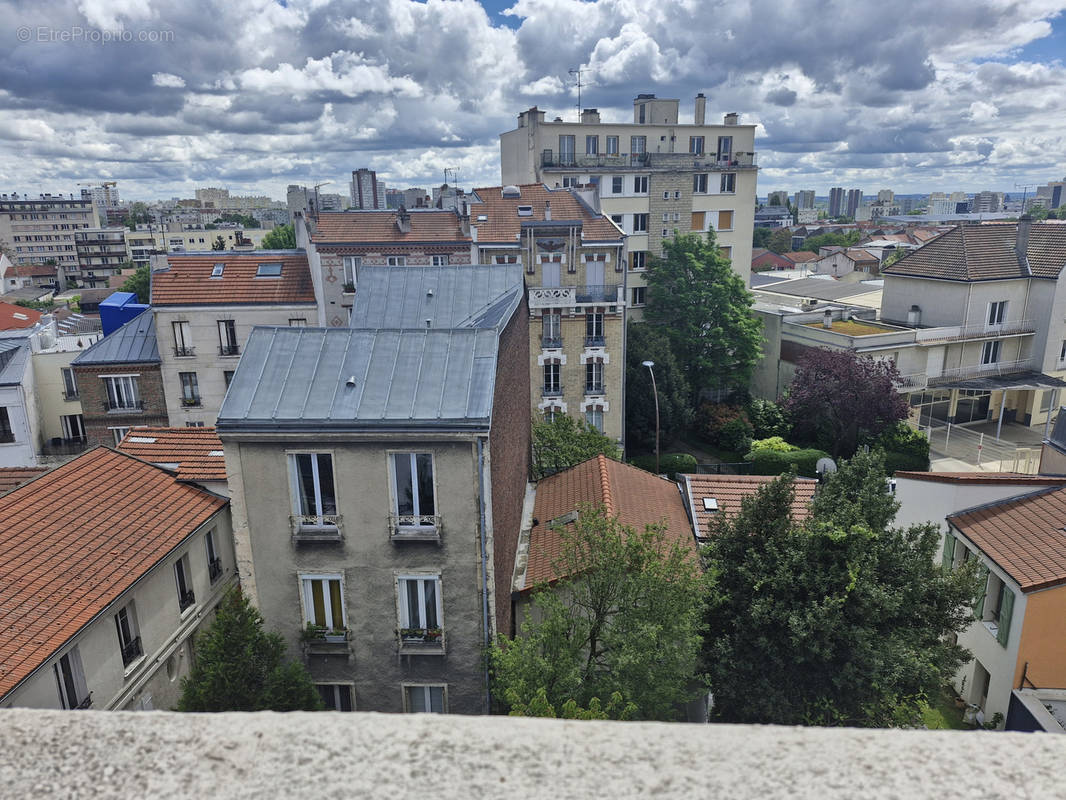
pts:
[197, 452]
[10, 477]
[380, 226]
[729, 490]
[188, 281]
[504, 224]
[13, 317]
[800, 256]
[1023, 535]
[637, 498]
[977, 478]
[75, 539]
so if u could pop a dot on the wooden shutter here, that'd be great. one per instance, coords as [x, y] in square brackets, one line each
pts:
[979, 608]
[699, 219]
[949, 551]
[725, 220]
[1006, 610]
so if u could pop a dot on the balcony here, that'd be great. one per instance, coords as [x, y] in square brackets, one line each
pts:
[593, 388]
[319, 640]
[551, 159]
[627, 161]
[316, 528]
[229, 350]
[184, 352]
[551, 391]
[421, 641]
[414, 528]
[191, 402]
[123, 406]
[563, 296]
[982, 371]
[595, 341]
[214, 569]
[551, 342]
[186, 599]
[605, 293]
[131, 651]
[981, 330]
[64, 447]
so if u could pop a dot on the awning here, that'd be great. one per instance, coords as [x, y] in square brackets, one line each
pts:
[995, 383]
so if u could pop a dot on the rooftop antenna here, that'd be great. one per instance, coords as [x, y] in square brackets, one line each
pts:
[1025, 187]
[577, 72]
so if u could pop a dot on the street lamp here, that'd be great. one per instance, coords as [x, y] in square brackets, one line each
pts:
[655, 391]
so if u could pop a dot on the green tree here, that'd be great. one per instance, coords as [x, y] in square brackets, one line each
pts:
[705, 310]
[780, 240]
[893, 257]
[760, 237]
[812, 243]
[219, 243]
[563, 441]
[623, 625]
[139, 283]
[646, 342]
[240, 667]
[1038, 212]
[282, 237]
[138, 213]
[838, 621]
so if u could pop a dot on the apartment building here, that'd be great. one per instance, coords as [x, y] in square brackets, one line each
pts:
[836, 201]
[575, 266]
[377, 483]
[803, 199]
[42, 229]
[101, 252]
[20, 433]
[96, 612]
[205, 306]
[654, 175]
[367, 193]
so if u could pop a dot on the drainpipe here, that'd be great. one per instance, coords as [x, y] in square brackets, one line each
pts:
[484, 564]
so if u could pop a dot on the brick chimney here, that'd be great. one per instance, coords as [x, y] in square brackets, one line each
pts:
[403, 220]
[701, 109]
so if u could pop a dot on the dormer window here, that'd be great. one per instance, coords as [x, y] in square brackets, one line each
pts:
[268, 271]
[216, 270]
[525, 211]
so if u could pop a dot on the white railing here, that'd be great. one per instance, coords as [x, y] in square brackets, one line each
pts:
[983, 370]
[978, 330]
[316, 527]
[552, 296]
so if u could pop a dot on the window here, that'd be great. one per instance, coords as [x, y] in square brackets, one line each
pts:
[638, 145]
[323, 599]
[665, 233]
[638, 295]
[699, 183]
[552, 375]
[725, 148]
[420, 604]
[122, 392]
[6, 434]
[227, 376]
[70, 383]
[617, 184]
[182, 339]
[297, 322]
[725, 220]
[268, 271]
[728, 183]
[594, 329]
[990, 352]
[677, 194]
[217, 270]
[70, 678]
[642, 115]
[592, 145]
[638, 260]
[551, 330]
[666, 195]
[996, 606]
[617, 219]
[118, 434]
[186, 596]
[415, 500]
[396, 261]
[190, 389]
[351, 271]
[594, 377]
[594, 418]
[129, 639]
[336, 696]
[1062, 352]
[612, 146]
[640, 223]
[423, 699]
[73, 427]
[194, 424]
[439, 261]
[314, 499]
[695, 145]
[640, 184]
[726, 252]
[666, 216]
[227, 338]
[569, 182]
[505, 259]
[997, 313]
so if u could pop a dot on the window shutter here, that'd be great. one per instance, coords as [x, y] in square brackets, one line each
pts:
[949, 551]
[979, 609]
[698, 220]
[1006, 610]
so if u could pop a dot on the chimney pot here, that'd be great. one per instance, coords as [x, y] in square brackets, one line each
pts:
[547, 209]
[827, 319]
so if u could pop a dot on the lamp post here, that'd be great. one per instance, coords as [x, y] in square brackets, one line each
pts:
[655, 391]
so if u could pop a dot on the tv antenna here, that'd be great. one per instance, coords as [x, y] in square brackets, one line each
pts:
[455, 175]
[577, 72]
[1025, 187]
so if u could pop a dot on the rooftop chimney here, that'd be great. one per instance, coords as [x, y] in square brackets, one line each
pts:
[701, 109]
[548, 210]
[590, 115]
[1021, 242]
[732, 118]
[403, 220]
[827, 320]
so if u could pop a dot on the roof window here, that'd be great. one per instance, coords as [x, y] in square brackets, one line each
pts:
[710, 504]
[268, 271]
[216, 271]
[142, 439]
[525, 211]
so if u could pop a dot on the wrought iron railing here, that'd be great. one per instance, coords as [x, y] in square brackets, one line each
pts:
[549, 342]
[186, 599]
[214, 569]
[602, 293]
[311, 528]
[551, 391]
[415, 527]
[184, 352]
[594, 388]
[131, 651]
[595, 341]
[229, 350]
[123, 405]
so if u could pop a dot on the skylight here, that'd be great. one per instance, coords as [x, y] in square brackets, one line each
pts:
[268, 271]
[216, 453]
[216, 271]
[142, 439]
[710, 504]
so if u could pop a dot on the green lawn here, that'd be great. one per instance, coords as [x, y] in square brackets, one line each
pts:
[942, 714]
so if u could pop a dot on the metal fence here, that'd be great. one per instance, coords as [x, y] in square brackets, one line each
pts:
[978, 449]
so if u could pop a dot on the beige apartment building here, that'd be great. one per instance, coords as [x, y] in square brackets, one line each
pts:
[653, 176]
[42, 229]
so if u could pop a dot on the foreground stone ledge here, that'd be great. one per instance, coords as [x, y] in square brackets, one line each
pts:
[165, 755]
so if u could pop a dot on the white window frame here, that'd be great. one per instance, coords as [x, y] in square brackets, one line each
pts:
[594, 417]
[395, 457]
[612, 145]
[592, 144]
[639, 296]
[118, 432]
[183, 346]
[996, 314]
[227, 335]
[404, 616]
[406, 688]
[217, 270]
[640, 184]
[728, 183]
[211, 551]
[991, 351]
[642, 218]
[73, 431]
[351, 265]
[695, 145]
[438, 261]
[553, 377]
[70, 383]
[183, 575]
[594, 377]
[133, 628]
[298, 322]
[396, 261]
[618, 184]
[294, 487]
[77, 677]
[307, 601]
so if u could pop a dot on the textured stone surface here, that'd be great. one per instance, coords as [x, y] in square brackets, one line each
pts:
[81, 754]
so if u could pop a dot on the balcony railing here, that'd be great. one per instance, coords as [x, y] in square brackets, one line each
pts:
[551, 342]
[982, 370]
[85, 703]
[593, 388]
[979, 330]
[605, 293]
[427, 641]
[414, 528]
[549, 158]
[184, 352]
[214, 569]
[186, 599]
[69, 396]
[64, 447]
[551, 391]
[595, 341]
[562, 296]
[191, 402]
[312, 528]
[624, 161]
[229, 350]
[131, 651]
[128, 406]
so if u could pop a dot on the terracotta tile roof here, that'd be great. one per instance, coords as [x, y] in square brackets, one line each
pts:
[75, 539]
[11, 477]
[197, 452]
[977, 478]
[986, 252]
[728, 491]
[504, 224]
[1023, 535]
[188, 281]
[380, 226]
[13, 317]
[637, 498]
[36, 270]
[801, 256]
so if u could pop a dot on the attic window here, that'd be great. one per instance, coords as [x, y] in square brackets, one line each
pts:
[216, 271]
[19, 315]
[142, 439]
[268, 271]
[216, 453]
[525, 211]
[482, 217]
[710, 504]
[565, 519]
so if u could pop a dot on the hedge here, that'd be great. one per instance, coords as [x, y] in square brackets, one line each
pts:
[906, 461]
[670, 463]
[802, 462]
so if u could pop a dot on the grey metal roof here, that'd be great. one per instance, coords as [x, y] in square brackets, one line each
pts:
[14, 353]
[133, 343]
[758, 279]
[819, 288]
[482, 296]
[298, 378]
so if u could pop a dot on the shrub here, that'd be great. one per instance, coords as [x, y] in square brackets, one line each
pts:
[802, 462]
[905, 448]
[767, 419]
[713, 424]
[670, 463]
[905, 461]
[775, 444]
[735, 435]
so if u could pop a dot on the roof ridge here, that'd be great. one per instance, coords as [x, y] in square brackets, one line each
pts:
[1004, 501]
[605, 485]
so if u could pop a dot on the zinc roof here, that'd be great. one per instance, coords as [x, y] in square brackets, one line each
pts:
[14, 354]
[133, 343]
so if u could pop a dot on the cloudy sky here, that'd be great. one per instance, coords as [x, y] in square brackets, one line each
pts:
[166, 96]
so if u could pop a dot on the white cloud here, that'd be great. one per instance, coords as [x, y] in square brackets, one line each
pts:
[165, 79]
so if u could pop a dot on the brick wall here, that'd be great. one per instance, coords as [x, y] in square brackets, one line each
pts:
[93, 393]
[509, 448]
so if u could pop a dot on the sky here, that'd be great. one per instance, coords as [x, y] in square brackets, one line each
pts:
[164, 97]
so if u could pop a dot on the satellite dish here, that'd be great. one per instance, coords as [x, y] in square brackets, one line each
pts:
[825, 465]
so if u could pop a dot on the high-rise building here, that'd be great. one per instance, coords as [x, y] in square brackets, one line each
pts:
[1051, 196]
[987, 202]
[367, 191]
[853, 202]
[804, 199]
[41, 230]
[778, 198]
[885, 196]
[212, 198]
[836, 201]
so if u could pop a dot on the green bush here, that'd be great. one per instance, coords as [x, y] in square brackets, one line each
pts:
[775, 444]
[767, 419]
[671, 464]
[802, 462]
[735, 435]
[905, 448]
[905, 461]
[711, 419]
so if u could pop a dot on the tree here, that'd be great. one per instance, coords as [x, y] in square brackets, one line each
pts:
[563, 441]
[219, 243]
[838, 396]
[838, 621]
[646, 342]
[240, 667]
[624, 621]
[813, 243]
[760, 237]
[282, 237]
[705, 310]
[780, 240]
[138, 213]
[894, 256]
[139, 283]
